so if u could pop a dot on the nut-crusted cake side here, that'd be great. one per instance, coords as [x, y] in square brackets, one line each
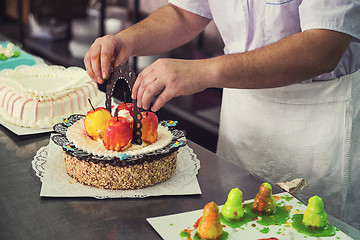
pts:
[130, 176]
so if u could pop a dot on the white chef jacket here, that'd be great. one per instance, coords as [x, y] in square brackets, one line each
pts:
[248, 25]
[303, 130]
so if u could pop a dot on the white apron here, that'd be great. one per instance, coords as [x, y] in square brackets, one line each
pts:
[308, 131]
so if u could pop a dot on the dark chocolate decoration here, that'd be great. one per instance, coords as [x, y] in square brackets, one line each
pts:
[128, 75]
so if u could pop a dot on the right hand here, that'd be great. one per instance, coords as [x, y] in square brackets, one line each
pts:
[102, 52]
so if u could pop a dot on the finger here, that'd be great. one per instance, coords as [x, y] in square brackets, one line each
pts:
[136, 87]
[87, 64]
[139, 81]
[146, 81]
[152, 90]
[160, 101]
[95, 64]
[105, 60]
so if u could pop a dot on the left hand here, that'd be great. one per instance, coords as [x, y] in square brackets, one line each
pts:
[168, 78]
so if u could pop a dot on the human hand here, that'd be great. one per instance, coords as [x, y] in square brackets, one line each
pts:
[169, 78]
[102, 52]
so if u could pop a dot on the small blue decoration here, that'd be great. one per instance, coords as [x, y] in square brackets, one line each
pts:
[172, 123]
[123, 156]
[68, 148]
[177, 144]
[66, 122]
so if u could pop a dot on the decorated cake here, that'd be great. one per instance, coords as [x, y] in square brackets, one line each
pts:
[39, 96]
[12, 56]
[119, 148]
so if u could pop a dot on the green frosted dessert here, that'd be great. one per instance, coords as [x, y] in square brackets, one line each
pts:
[315, 216]
[233, 209]
[264, 202]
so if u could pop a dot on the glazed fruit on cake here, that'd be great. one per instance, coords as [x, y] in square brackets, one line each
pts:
[119, 147]
[39, 96]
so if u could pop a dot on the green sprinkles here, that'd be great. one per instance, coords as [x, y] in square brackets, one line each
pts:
[287, 198]
[265, 230]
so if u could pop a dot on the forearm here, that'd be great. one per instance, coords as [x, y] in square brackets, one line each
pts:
[165, 29]
[294, 59]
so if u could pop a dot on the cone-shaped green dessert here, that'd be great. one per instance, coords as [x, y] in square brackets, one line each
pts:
[264, 202]
[315, 216]
[209, 226]
[233, 209]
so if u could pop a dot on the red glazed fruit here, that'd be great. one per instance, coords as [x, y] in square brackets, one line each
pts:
[118, 134]
[126, 106]
[149, 128]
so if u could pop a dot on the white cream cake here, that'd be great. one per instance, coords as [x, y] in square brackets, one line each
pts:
[39, 96]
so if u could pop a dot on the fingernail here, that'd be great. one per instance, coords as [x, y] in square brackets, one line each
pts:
[100, 80]
[105, 76]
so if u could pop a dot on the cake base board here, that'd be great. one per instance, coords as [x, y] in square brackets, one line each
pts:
[20, 131]
[57, 183]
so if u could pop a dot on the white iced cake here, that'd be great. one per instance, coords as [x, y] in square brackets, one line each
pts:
[39, 96]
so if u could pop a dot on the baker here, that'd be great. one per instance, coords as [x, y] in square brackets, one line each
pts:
[290, 77]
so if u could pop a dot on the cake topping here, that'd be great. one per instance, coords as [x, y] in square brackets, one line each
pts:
[68, 147]
[118, 133]
[66, 122]
[8, 51]
[95, 122]
[123, 156]
[128, 75]
[149, 127]
[126, 106]
[172, 123]
[264, 202]
[177, 144]
[315, 216]
[233, 209]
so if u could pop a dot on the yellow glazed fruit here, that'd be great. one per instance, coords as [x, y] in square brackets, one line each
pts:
[95, 122]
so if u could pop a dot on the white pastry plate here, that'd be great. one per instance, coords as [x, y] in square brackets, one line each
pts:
[24, 131]
[169, 227]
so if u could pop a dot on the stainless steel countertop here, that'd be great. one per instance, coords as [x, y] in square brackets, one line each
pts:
[26, 215]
